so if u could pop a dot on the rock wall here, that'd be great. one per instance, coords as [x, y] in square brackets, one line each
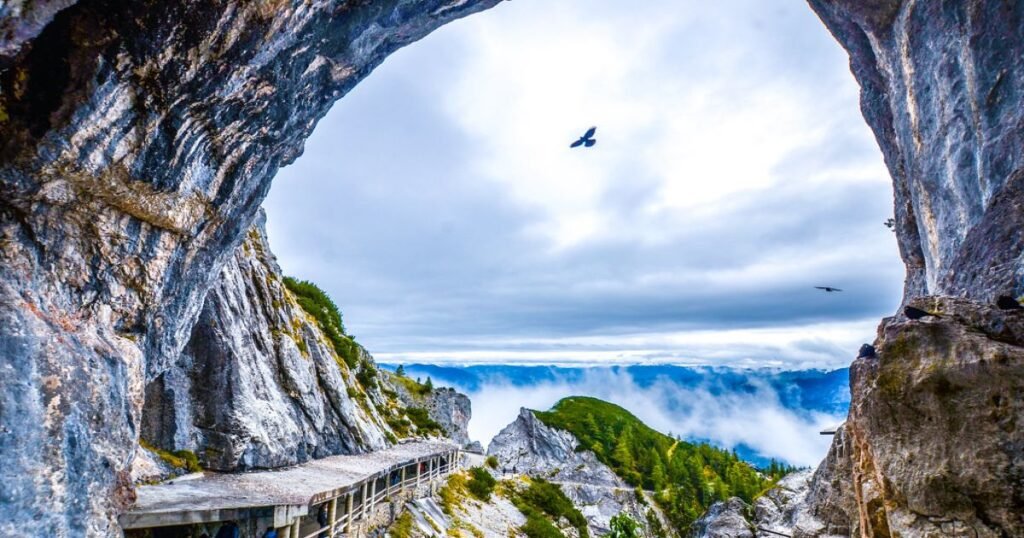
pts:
[941, 86]
[449, 408]
[137, 140]
[258, 384]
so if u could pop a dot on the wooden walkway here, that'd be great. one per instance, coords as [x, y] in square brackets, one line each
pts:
[349, 486]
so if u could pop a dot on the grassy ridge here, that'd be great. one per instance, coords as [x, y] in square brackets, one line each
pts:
[686, 478]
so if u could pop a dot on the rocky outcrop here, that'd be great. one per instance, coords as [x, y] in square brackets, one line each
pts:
[137, 140]
[726, 519]
[935, 432]
[528, 446]
[258, 384]
[933, 444]
[449, 408]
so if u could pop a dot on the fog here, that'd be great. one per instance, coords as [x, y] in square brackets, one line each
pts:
[753, 418]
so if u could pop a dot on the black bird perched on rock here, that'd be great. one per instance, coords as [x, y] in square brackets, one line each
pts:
[916, 313]
[1008, 303]
[829, 289]
[867, 351]
[586, 140]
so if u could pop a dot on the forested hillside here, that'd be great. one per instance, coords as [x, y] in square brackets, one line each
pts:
[686, 478]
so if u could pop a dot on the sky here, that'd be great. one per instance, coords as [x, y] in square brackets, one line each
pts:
[441, 207]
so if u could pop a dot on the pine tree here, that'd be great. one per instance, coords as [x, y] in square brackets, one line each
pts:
[400, 371]
[621, 454]
[429, 384]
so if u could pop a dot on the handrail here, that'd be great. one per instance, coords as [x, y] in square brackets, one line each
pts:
[344, 516]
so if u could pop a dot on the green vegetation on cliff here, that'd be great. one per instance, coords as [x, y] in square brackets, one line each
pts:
[543, 503]
[686, 478]
[318, 304]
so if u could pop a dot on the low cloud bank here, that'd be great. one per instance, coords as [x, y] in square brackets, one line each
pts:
[762, 415]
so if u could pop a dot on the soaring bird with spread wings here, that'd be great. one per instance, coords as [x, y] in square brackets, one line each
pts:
[829, 289]
[586, 140]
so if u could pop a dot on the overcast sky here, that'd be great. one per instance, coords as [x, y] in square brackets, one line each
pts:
[441, 207]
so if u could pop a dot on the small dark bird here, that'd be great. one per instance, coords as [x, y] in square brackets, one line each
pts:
[1008, 303]
[586, 140]
[867, 351]
[917, 313]
[828, 289]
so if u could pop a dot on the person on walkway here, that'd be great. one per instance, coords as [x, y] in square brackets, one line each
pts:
[321, 516]
[271, 533]
[228, 530]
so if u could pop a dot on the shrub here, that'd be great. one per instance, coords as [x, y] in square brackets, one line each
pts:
[452, 493]
[318, 304]
[421, 418]
[492, 462]
[537, 526]
[623, 526]
[481, 483]
[402, 527]
[547, 498]
[367, 375]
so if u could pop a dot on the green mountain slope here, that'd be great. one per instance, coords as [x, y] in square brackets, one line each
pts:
[686, 477]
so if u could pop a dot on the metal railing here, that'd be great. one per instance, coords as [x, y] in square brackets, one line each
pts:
[343, 509]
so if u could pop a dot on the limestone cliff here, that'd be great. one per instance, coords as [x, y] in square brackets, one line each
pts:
[258, 384]
[941, 86]
[137, 140]
[450, 409]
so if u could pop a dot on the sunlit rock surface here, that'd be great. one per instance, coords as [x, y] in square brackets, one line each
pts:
[530, 447]
[137, 140]
[258, 384]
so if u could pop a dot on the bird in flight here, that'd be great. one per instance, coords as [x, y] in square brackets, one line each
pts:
[829, 289]
[586, 140]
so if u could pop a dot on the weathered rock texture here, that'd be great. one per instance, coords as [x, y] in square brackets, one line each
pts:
[449, 408]
[932, 446]
[137, 140]
[935, 428]
[941, 88]
[528, 446]
[258, 384]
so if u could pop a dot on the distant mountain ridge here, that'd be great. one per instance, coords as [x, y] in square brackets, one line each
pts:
[825, 391]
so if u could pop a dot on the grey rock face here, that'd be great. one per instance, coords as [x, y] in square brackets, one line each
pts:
[136, 142]
[258, 384]
[941, 85]
[931, 446]
[725, 519]
[528, 446]
[936, 446]
[451, 409]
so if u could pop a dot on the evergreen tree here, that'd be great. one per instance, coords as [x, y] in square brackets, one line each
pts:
[429, 384]
[400, 371]
[623, 526]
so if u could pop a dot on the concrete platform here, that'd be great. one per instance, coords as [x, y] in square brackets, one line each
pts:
[286, 493]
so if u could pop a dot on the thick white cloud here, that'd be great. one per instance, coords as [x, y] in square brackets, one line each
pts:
[441, 207]
[756, 419]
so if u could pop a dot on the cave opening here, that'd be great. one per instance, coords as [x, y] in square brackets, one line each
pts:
[441, 205]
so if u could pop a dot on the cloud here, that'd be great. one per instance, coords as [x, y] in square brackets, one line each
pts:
[440, 206]
[755, 418]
